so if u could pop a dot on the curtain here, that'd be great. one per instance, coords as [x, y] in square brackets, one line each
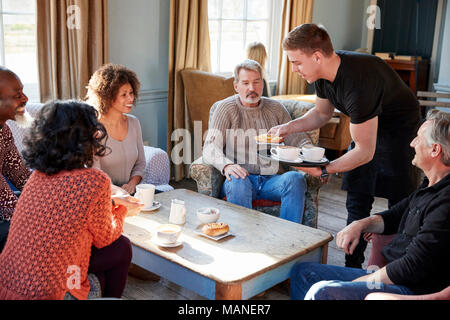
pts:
[72, 43]
[189, 47]
[295, 13]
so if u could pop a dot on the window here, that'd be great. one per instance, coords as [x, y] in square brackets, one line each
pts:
[18, 51]
[233, 24]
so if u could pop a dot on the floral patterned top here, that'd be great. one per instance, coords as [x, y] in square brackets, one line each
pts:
[13, 168]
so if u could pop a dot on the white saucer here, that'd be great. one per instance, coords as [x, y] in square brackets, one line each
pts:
[216, 238]
[167, 245]
[323, 160]
[274, 157]
[156, 205]
[270, 143]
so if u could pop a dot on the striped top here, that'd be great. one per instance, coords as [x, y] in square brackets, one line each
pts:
[233, 128]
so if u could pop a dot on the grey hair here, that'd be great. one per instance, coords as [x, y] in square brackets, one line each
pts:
[439, 132]
[247, 65]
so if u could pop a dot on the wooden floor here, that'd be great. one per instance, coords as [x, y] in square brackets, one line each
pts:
[332, 218]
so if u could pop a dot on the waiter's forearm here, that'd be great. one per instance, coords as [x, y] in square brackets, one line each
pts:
[350, 161]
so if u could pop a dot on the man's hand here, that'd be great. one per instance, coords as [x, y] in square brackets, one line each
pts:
[236, 171]
[282, 130]
[129, 187]
[348, 238]
[131, 203]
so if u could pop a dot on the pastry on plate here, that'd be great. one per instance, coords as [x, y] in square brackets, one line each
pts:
[215, 229]
[267, 138]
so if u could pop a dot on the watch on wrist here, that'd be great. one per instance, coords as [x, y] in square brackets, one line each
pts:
[324, 174]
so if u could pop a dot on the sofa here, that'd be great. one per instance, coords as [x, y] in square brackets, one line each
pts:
[157, 170]
[209, 180]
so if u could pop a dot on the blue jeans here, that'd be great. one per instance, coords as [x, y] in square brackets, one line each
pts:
[314, 281]
[289, 188]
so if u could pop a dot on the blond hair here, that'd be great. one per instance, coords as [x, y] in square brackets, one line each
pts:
[257, 51]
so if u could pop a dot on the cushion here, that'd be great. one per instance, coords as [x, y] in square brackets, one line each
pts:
[202, 89]
[262, 203]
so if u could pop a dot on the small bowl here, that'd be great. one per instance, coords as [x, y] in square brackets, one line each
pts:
[168, 233]
[208, 215]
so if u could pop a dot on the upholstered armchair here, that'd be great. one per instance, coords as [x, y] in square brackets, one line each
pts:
[209, 179]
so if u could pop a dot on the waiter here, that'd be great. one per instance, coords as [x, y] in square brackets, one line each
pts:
[384, 118]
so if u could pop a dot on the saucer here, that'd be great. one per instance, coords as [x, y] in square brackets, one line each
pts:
[156, 205]
[216, 238]
[274, 157]
[270, 143]
[167, 245]
[323, 160]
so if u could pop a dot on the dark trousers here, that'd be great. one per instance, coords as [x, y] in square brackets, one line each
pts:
[359, 206]
[110, 264]
[4, 229]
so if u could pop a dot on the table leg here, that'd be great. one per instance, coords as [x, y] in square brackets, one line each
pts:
[324, 254]
[228, 292]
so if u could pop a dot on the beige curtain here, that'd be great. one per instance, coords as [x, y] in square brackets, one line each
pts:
[295, 13]
[72, 44]
[189, 47]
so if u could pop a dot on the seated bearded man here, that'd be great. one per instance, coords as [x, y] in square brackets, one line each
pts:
[231, 148]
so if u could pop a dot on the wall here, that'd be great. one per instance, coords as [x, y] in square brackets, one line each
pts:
[344, 21]
[138, 33]
[444, 69]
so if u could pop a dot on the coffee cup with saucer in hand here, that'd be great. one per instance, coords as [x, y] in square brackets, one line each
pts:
[146, 193]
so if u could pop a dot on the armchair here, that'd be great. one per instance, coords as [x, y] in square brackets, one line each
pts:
[157, 170]
[209, 180]
[376, 258]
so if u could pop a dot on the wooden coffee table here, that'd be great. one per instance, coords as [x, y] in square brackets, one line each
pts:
[259, 255]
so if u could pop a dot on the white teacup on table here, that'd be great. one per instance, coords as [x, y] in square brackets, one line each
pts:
[168, 233]
[145, 193]
[312, 153]
[286, 152]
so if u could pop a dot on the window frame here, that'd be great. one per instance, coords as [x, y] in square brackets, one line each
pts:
[35, 96]
[273, 36]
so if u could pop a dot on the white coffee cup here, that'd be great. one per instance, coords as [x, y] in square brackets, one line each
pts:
[168, 233]
[145, 193]
[286, 152]
[312, 153]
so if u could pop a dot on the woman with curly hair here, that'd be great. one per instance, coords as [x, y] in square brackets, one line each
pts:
[65, 223]
[113, 90]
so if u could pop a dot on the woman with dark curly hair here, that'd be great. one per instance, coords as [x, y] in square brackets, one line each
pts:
[113, 90]
[65, 223]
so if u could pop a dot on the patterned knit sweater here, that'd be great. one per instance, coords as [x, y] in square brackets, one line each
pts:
[57, 220]
[232, 132]
[13, 168]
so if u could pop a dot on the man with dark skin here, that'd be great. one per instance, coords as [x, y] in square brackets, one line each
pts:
[12, 167]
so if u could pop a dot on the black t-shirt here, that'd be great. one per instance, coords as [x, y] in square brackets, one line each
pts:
[366, 87]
